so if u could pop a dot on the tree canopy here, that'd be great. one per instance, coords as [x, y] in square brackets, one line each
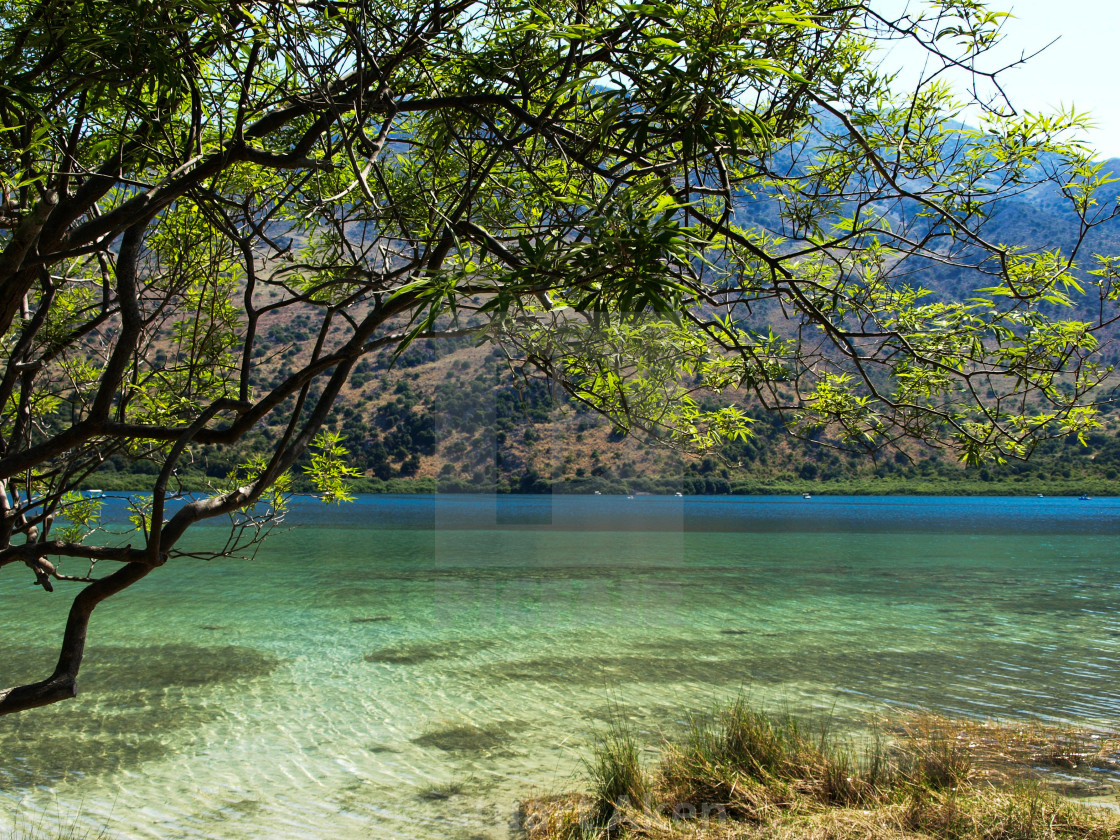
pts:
[575, 181]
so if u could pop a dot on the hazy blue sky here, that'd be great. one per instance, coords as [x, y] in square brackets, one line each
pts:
[1082, 68]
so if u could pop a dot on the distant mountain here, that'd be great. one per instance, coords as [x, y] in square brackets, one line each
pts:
[1042, 218]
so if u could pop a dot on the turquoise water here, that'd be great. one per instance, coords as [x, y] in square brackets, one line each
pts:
[409, 666]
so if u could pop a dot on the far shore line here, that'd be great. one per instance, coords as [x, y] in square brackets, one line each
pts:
[873, 488]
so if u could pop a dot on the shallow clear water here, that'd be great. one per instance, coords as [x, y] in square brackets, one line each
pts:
[409, 666]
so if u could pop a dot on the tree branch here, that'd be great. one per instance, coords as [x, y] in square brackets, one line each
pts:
[62, 684]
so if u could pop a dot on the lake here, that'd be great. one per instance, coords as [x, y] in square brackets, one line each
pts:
[409, 666]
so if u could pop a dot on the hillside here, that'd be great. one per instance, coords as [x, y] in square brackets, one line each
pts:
[451, 415]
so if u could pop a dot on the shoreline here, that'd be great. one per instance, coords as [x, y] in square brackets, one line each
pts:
[884, 488]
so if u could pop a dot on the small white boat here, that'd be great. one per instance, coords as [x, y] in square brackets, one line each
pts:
[95, 492]
[678, 494]
[806, 496]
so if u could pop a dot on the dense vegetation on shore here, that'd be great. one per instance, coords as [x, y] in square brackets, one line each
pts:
[743, 774]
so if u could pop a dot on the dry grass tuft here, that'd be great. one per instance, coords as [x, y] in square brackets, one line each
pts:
[1071, 760]
[742, 775]
[558, 817]
[616, 774]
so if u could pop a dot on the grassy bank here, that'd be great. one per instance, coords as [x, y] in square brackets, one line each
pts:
[743, 774]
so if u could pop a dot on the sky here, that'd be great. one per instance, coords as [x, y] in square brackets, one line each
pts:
[1082, 68]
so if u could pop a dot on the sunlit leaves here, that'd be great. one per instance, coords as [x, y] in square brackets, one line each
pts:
[1107, 277]
[645, 374]
[329, 469]
[833, 399]
[80, 516]
[275, 498]
[140, 513]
